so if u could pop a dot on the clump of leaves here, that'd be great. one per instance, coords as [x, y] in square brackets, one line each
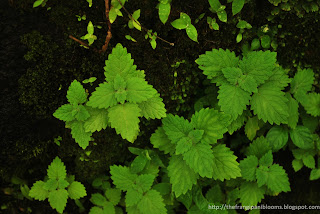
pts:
[133, 22]
[184, 22]
[89, 36]
[57, 187]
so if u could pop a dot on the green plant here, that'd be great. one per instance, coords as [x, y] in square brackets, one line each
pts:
[89, 36]
[164, 8]
[133, 22]
[184, 22]
[119, 101]
[54, 187]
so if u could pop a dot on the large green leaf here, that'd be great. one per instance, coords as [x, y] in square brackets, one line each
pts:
[153, 108]
[139, 90]
[98, 120]
[160, 140]
[302, 82]
[76, 93]
[38, 192]
[79, 134]
[237, 6]
[76, 190]
[122, 177]
[58, 199]
[57, 169]
[248, 168]
[125, 119]
[302, 137]
[278, 137]
[103, 96]
[152, 202]
[64, 113]
[251, 194]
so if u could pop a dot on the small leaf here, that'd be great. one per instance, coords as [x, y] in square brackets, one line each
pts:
[76, 190]
[37, 3]
[192, 32]
[315, 174]
[90, 28]
[266, 41]
[164, 12]
[237, 6]
[179, 24]
[222, 15]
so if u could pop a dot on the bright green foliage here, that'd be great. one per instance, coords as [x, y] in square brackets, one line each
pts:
[256, 73]
[190, 149]
[237, 6]
[54, 188]
[248, 168]
[89, 36]
[251, 128]
[293, 110]
[76, 115]
[125, 96]
[164, 8]
[311, 104]
[152, 38]
[302, 83]
[133, 22]
[258, 147]
[251, 194]
[302, 137]
[115, 9]
[184, 22]
[140, 196]
[277, 137]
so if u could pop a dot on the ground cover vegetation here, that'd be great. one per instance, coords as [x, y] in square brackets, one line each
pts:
[225, 108]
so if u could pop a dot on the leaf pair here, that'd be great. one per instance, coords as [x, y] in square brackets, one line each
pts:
[184, 22]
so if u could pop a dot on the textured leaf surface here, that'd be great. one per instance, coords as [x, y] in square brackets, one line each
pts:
[192, 32]
[212, 62]
[153, 108]
[133, 197]
[76, 190]
[278, 79]
[125, 119]
[297, 165]
[113, 195]
[293, 109]
[237, 6]
[251, 194]
[302, 137]
[122, 177]
[266, 160]
[315, 174]
[247, 83]
[212, 122]
[237, 124]
[309, 161]
[98, 120]
[57, 169]
[275, 177]
[200, 159]
[233, 100]
[302, 81]
[58, 199]
[38, 192]
[164, 11]
[248, 168]
[98, 199]
[232, 74]
[251, 127]
[277, 137]
[259, 65]
[64, 113]
[139, 90]
[182, 177]
[80, 112]
[176, 127]
[258, 147]
[76, 93]
[80, 135]
[152, 202]
[103, 96]
[312, 104]
[270, 104]
[225, 165]
[160, 140]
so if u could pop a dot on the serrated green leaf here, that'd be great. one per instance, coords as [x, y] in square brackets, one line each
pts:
[275, 177]
[312, 104]
[138, 164]
[176, 127]
[302, 137]
[266, 160]
[144, 182]
[164, 12]
[183, 145]
[215, 194]
[58, 199]
[315, 174]
[297, 165]
[38, 192]
[76, 93]
[258, 147]
[251, 194]
[98, 120]
[125, 119]
[139, 90]
[113, 195]
[277, 137]
[251, 127]
[225, 165]
[152, 202]
[51, 184]
[200, 159]
[153, 108]
[302, 82]
[212, 62]
[182, 177]
[232, 74]
[293, 110]
[309, 161]
[122, 177]
[237, 6]
[80, 112]
[57, 169]
[278, 79]
[248, 168]
[160, 140]
[270, 104]
[133, 197]
[76, 190]
[259, 65]
[162, 188]
[103, 96]
[247, 83]
[98, 199]
[108, 208]
[62, 184]
[80, 135]
[212, 122]
[236, 124]
[64, 113]
[233, 100]
[192, 33]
